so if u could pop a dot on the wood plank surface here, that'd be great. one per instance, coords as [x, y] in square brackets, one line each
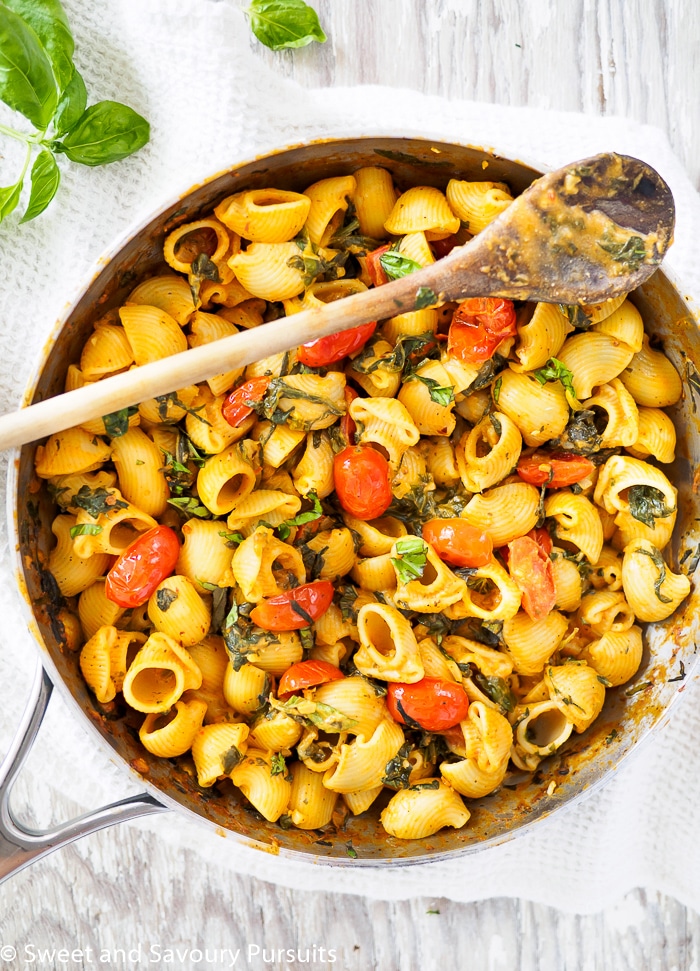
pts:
[126, 888]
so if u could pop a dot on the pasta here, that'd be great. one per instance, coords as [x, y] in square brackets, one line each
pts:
[490, 564]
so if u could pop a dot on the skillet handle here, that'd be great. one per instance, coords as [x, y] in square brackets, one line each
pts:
[21, 845]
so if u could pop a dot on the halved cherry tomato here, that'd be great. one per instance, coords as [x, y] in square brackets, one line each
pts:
[478, 326]
[531, 568]
[362, 482]
[238, 402]
[328, 350]
[295, 609]
[141, 567]
[431, 704]
[347, 425]
[457, 542]
[563, 467]
[306, 674]
[375, 268]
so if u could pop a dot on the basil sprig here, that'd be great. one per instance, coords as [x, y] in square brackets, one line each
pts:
[39, 80]
[284, 23]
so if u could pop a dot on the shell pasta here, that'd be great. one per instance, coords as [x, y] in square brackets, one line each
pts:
[381, 571]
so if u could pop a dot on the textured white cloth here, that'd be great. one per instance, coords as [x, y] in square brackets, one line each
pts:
[193, 70]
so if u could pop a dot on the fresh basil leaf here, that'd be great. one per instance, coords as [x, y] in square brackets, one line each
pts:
[412, 558]
[497, 388]
[284, 23]
[555, 370]
[85, 529]
[106, 132]
[316, 512]
[26, 80]
[45, 180]
[190, 507]
[72, 104]
[50, 24]
[395, 265]
[9, 197]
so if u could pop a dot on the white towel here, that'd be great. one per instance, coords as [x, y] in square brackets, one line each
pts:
[193, 70]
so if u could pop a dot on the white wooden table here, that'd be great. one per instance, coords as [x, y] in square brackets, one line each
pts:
[119, 888]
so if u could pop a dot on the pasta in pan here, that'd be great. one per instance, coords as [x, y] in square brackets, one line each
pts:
[387, 565]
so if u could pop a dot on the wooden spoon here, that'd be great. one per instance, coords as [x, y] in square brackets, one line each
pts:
[586, 232]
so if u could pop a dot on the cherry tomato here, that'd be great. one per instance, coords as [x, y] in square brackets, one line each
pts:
[362, 482]
[295, 609]
[441, 247]
[531, 568]
[306, 674]
[237, 405]
[564, 468]
[478, 326]
[457, 542]
[347, 425]
[431, 704]
[328, 350]
[141, 567]
[375, 268]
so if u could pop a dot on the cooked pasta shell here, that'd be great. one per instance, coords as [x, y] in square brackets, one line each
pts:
[422, 810]
[216, 749]
[264, 215]
[169, 737]
[577, 691]
[388, 647]
[422, 209]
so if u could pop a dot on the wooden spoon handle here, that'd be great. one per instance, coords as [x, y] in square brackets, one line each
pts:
[199, 363]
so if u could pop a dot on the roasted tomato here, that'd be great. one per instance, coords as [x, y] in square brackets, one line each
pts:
[478, 326]
[531, 568]
[237, 405]
[306, 674]
[457, 542]
[431, 704]
[554, 469]
[362, 481]
[141, 567]
[328, 350]
[375, 268]
[442, 247]
[295, 609]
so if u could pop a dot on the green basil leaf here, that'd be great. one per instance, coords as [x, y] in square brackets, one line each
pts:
[45, 180]
[72, 104]
[412, 558]
[85, 529]
[395, 265]
[555, 370]
[49, 22]
[284, 23]
[26, 80]
[106, 132]
[9, 197]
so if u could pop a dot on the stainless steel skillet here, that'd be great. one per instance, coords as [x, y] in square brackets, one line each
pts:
[631, 713]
